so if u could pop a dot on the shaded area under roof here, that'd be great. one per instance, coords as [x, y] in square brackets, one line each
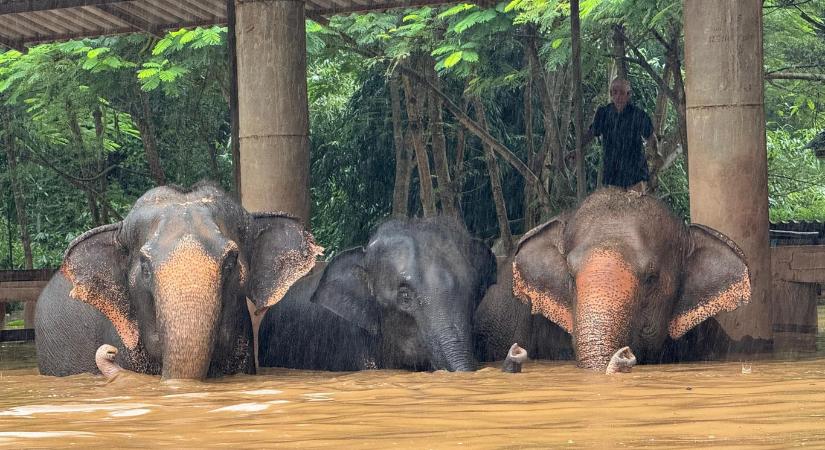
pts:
[34, 21]
[797, 233]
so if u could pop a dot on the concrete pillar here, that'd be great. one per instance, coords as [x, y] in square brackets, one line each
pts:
[726, 132]
[272, 106]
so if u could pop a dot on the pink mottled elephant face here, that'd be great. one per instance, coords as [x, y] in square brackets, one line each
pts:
[621, 270]
[174, 275]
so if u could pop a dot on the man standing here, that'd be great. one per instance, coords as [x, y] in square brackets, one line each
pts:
[622, 126]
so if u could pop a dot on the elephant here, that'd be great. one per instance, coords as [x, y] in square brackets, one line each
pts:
[501, 320]
[621, 270]
[404, 301]
[105, 361]
[299, 334]
[167, 286]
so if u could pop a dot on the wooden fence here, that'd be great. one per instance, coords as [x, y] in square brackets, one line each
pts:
[22, 286]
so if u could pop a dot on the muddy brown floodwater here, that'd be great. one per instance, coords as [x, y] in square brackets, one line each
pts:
[779, 404]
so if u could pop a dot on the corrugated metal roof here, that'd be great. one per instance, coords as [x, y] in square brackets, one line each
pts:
[33, 21]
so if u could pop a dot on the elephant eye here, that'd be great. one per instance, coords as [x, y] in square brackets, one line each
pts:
[405, 296]
[229, 262]
[145, 267]
[652, 278]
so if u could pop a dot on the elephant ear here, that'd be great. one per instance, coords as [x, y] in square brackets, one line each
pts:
[281, 251]
[716, 279]
[540, 275]
[95, 264]
[345, 289]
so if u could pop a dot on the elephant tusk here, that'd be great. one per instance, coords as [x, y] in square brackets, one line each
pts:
[515, 358]
[622, 361]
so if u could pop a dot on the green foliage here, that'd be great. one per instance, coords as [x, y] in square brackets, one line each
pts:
[796, 178]
[352, 161]
[53, 92]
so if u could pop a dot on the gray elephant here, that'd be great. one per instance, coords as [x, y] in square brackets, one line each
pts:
[622, 270]
[405, 301]
[501, 319]
[168, 286]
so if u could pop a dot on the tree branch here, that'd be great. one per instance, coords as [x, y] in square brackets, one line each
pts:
[76, 182]
[640, 59]
[455, 110]
[795, 76]
[815, 23]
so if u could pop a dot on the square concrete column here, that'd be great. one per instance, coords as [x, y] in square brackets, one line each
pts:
[272, 106]
[726, 132]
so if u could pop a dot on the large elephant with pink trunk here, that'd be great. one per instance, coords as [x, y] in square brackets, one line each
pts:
[168, 286]
[622, 270]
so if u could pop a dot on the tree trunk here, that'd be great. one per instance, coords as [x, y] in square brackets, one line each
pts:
[147, 135]
[401, 190]
[530, 216]
[555, 94]
[581, 183]
[652, 150]
[439, 146]
[681, 107]
[619, 62]
[22, 222]
[458, 165]
[417, 136]
[100, 158]
[495, 183]
[660, 111]
[234, 140]
[82, 157]
[460, 115]
[475, 128]
[677, 93]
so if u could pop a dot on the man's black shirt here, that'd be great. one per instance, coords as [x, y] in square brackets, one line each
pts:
[624, 158]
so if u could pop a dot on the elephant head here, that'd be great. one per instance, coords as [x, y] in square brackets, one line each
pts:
[174, 275]
[622, 270]
[417, 284]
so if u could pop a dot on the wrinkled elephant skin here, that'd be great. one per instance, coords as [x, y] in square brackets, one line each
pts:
[167, 286]
[404, 301]
[622, 270]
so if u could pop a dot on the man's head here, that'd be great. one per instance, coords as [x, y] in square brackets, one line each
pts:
[620, 93]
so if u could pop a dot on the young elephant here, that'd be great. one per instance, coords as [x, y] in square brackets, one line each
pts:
[168, 286]
[406, 300]
[622, 270]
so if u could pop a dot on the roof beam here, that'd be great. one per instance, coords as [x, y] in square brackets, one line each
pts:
[355, 7]
[19, 6]
[111, 32]
[203, 9]
[47, 21]
[171, 7]
[131, 19]
[217, 10]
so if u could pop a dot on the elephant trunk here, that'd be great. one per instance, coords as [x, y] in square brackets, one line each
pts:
[188, 298]
[452, 350]
[105, 360]
[606, 287]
